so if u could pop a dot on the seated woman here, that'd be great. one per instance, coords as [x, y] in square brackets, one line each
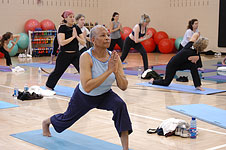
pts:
[187, 58]
[99, 68]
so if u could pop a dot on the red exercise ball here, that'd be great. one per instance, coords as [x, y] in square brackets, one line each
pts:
[47, 25]
[149, 45]
[159, 36]
[165, 46]
[127, 31]
[151, 30]
[117, 47]
[1, 55]
[31, 25]
[174, 47]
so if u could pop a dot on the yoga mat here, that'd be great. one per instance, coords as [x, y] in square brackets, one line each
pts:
[184, 88]
[67, 140]
[62, 90]
[5, 69]
[203, 112]
[4, 105]
[218, 78]
[163, 67]
[219, 65]
[37, 65]
[68, 76]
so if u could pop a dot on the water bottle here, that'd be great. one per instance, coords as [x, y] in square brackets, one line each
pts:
[193, 128]
[39, 70]
[15, 91]
[26, 88]
[139, 72]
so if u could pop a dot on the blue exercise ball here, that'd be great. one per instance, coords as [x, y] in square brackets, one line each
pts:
[177, 42]
[23, 41]
[14, 50]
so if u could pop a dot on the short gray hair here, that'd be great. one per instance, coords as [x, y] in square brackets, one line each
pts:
[201, 44]
[93, 31]
[79, 16]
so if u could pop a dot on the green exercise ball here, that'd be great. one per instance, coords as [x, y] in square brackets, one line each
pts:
[177, 42]
[14, 50]
[23, 41]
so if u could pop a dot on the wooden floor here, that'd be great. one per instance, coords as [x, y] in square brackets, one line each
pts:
[146, 105]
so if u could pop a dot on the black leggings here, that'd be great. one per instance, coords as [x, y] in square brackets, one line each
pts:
[118, 41]
[7, 56]
[128, 43]
[171, 71]
[62, 62]
[180, 47]
[55, 46]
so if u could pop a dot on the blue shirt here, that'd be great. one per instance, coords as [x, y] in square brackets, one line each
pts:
[98, 69]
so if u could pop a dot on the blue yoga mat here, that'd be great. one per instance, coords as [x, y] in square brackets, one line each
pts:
[68, 76]
[37, 65]
[203, 112]
[4, 105]
[63, 90]
[67, 140]
[184, 88]
[218, 78]
[5, 69]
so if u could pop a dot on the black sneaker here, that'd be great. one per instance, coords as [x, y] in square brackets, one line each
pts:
[182, 79]
[146, 74]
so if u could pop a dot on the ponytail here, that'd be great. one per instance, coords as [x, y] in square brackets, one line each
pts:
[114, 14]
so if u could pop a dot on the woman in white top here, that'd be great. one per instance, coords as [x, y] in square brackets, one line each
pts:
[80, 19]
[191, 29]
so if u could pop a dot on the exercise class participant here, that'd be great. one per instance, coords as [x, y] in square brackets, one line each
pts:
[135, 38]
[68, 36]
[115, 29]
[99, 68]
[187, 58]
[80, 19]
[192, 28]
[8, 36]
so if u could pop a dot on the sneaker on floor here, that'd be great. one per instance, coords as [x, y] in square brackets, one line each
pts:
[146, 74]
[182, 79]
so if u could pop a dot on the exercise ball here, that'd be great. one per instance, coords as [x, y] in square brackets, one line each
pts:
[31, 25]
[174, 47]
[47, 25]
[159, 36]
[1, 55]
[125, 34]
[149, 45]
[165, 46]
[152, 31]
[117, 47]
[177, 42]
[23, 41]
[14, 50]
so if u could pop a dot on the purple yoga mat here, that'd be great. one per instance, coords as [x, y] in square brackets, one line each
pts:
[5, 69]
[219, 65]
[216, 78]
[68, 76]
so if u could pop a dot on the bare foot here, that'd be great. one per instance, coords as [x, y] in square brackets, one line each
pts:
[45, 127]
[200, 88]
[151, 80]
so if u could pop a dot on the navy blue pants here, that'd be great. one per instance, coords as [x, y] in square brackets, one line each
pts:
[80, 104]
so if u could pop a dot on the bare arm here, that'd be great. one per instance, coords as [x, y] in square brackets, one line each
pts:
[62, 41]
[17, 36]
[194, 37]
[136, 35]
[111, 27]
[121, 80]
[81, 39]
[88, 83]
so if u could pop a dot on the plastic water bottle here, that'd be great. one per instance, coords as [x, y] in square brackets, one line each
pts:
[139, 72]
[39, 70]
[193, 128]
[15, 91]
[26, 88]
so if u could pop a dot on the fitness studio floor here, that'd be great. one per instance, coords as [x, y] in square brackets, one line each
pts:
[146, 105]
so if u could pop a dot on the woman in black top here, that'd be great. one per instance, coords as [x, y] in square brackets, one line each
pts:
[187, 58]
[8, 36]
[68, 36]
[138, 35]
